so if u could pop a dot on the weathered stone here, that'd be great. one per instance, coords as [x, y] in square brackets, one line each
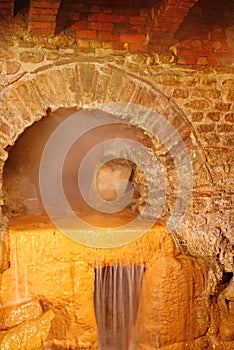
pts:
[197, 116]
[226, 306]
[180, 93]
[31, 56]
[108, 177]
[4, 258]
[199, 93]
[69, 78]
[228, 83]
[127, 91]
[29, 335]
[170, 312]
[197, 104]
[215, 116]
[167, 79]
[229, 117]
[225, 128]
[203, 61]
[222, 106]
[6, 54]
[205, 127]
[230, 95]
[42, 83]
[15, 313]
[213, 94]
[33, 101]
[52, 56]
[209, 82]
[57, 84]
[87, 75]
[12, 68]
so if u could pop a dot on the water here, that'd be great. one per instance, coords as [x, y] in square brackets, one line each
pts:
[117, 292]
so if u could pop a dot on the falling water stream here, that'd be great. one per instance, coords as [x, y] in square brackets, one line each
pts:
[117, 292]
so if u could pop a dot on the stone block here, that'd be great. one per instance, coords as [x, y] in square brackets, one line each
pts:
[29, 335]
[17, 312]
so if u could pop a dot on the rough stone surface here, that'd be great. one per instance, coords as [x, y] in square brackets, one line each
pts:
[29, 335]
[108, 176]
[15, 313]
[58, 71]
[61, 272]
[173, 307]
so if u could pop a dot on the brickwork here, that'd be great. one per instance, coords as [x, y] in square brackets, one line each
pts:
[200, 107]
[191, 33]
[204, 38]
[42, 16]
[164, 20]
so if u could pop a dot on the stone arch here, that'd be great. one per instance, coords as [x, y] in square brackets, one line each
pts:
[82, 84]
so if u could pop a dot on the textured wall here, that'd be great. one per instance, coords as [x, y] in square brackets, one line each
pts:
[48, 72]
[198, 103]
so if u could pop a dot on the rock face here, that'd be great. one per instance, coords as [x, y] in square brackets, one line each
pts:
[26, 327]
[174, 303]
[174, 306]
[226, 306]
[14, 314]
[108, 177]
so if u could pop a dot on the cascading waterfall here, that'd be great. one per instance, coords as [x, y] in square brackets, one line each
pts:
[117, 292]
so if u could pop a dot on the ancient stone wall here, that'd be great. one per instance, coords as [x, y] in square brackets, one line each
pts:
[199, 103]
[192, 86]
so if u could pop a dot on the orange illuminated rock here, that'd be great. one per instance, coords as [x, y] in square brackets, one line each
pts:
[15, 313]
[109, 176]
[29, 335]
[173, 305]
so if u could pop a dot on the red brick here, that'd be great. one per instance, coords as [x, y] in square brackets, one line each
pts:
[185, 53]
[95, 8]
[212, 62]
[108, 36]
[138, 47]
[86, 34]
[203, 53]
[44, 25]
[218, 36]
[43, 18]
[109, 27]
[81, 25]
[191, 60]
[96, 26]
[203, 61]
[137, 20]
[132, 38]
[42, 31]
[186, 44]
[102, 17]
[206, 44]
[6, 5]
[44, 4]
[119, 46]
[181, 60]
[39, 11]
[143, 12]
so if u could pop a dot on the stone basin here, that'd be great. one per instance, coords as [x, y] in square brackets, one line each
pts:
[61, 272]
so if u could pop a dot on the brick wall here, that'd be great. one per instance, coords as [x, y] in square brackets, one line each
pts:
[194, 33]
[116, 26]
[203, 37]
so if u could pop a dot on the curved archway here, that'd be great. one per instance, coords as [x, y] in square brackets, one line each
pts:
[86, 84]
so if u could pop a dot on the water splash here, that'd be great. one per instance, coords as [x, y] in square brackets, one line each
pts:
[117, 292]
